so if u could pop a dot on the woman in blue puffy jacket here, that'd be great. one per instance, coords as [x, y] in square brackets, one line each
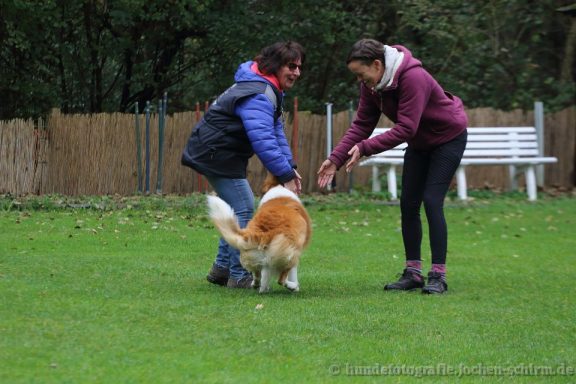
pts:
[246, 119]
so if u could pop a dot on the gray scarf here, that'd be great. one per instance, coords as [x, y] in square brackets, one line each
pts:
[392, 60]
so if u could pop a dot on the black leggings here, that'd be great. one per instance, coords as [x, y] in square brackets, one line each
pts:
[426, 177]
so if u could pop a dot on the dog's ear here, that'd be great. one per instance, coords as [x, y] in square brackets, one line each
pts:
[270, 182]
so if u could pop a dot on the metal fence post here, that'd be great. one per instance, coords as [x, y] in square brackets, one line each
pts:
[148, 147]
[350, 118]
[329, 139]
[539, 125]
[138, 148]
[161, 125]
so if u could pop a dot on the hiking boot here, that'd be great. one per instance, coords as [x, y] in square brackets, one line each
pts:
[218, 275]
[245, 282]
[436, 284]
[408, 281]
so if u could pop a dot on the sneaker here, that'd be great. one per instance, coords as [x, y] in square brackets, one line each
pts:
[436, 284]
[407, 282]
[245, 282]
[218, 275]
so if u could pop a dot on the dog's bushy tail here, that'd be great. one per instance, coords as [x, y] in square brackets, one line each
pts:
[225, 220]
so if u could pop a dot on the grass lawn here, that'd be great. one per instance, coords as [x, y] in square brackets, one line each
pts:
[114, 291]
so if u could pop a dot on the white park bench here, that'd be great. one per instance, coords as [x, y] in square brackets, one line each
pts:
[516, 147]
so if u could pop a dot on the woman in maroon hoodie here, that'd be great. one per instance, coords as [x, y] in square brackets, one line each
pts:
[433, 124]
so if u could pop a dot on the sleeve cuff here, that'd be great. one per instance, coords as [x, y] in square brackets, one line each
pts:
[286, 177]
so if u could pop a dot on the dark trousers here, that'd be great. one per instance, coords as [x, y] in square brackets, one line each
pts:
[426, 178]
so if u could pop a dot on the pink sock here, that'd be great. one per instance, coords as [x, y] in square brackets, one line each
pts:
[439, 268]
[415, 266]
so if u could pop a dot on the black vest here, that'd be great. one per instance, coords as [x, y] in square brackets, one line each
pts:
[218, 145]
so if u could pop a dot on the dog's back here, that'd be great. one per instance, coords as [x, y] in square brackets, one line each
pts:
[283, 216]
[281, 228]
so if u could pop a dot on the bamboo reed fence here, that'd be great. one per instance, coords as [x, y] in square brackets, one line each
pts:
[96, 154]
[23, 146]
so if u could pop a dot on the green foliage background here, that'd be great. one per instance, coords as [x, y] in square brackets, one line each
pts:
[105, 55]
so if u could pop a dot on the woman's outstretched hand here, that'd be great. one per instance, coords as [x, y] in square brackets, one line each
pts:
[355, 156]
[326, 173]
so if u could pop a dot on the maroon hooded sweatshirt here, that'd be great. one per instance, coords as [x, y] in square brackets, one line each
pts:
[424, 115]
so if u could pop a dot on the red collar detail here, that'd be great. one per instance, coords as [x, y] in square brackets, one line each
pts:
[271, 78]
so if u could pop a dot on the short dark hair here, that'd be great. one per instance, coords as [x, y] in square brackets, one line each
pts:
[275, 56]
[366, 51]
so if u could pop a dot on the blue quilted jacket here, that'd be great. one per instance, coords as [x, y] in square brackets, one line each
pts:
[244, 120]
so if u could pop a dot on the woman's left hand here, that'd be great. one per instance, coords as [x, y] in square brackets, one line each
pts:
[294, 185]
[298, 181]
[354, 158]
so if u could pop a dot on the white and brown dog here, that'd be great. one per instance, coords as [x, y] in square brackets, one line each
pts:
[272, 242]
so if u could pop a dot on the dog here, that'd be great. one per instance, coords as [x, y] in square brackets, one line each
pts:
[273, 241]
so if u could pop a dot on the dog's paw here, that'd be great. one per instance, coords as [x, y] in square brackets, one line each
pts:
[264, 289]
[294, 287]
[255, 284]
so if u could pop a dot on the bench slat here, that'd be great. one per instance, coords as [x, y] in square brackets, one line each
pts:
[499, 129]
[505, 152]
[481, 130]
[511, 138]
[496, 144]
[509, 161]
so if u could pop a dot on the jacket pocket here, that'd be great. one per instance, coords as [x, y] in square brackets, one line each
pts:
[201, 146]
